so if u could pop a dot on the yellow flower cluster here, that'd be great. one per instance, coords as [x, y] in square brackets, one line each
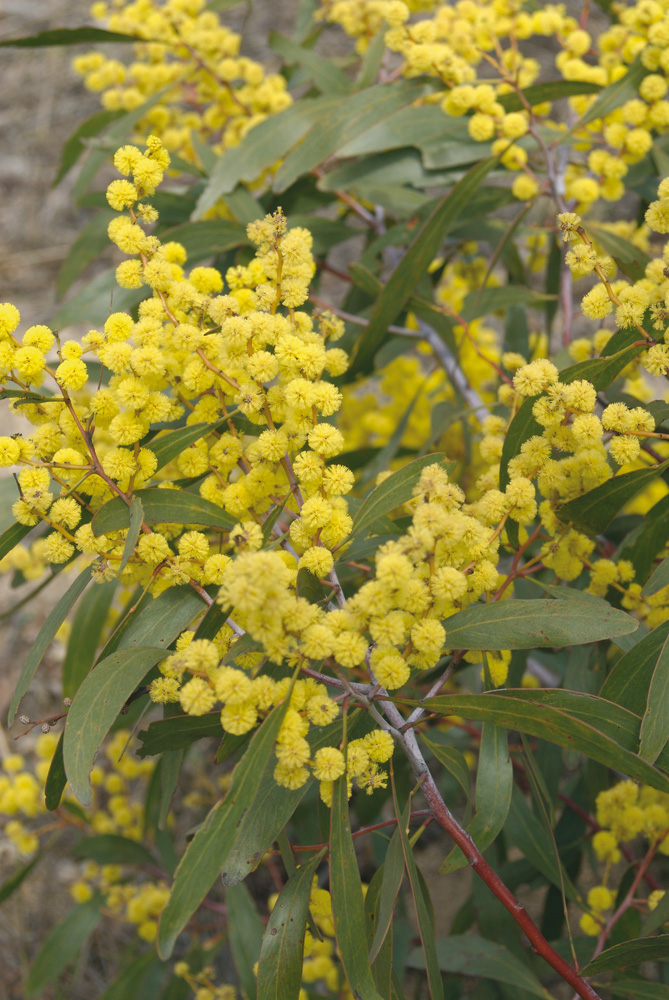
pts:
[189, 74]
[624, 812]
[478, 50]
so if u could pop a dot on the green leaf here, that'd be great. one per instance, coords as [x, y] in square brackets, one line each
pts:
[280, 968]
[631, 260]
[414, 264]
[328, 78]
[622, 956]
[532, 624]
[349, 117]
[62, 945]
[628, 683]
[386, 454]
[9, 887]
[414, 126]
[171, 763]
[74, 147]
[612, 97]
[348, 907]
[644, 545]
[112, 849]
[470, 955]
[259, 827]
[143, 978]
[657, 917]
[87, 627]
[261, 147]
[11, 537]
[424, 912]
[178, 733]
[522, 427]
[453, 760]
[160, 620]
[136, 513]
[490, 300]
[168, 446]
[90, 242]
[245, 929]
[91, 304]
[638, 989]
[655, 722]
[494, 784]
[551, 91]
[391, 880]
[206, 854]
[595, 510]
[658, 579]
[69, 36]
[96, 707]
[45, 638]
[530, 837]
[579, 722]
[207, 237]
[162, 507]
[56, 779]
[392, 492]
[601, 371]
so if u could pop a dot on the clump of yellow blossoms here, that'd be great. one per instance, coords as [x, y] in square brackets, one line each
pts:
[624, 812]
[189, 72]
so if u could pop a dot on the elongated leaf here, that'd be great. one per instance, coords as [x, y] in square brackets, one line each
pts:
[489, 300]
[351, 117]
[658, 579]
[643, 546]
[112, 849]
[613, 96]
[348, 907]
[630, 953]
[414, 264]
[161, 619]
[169, 445]
[257, 830]
[87, 627]
[11, 537]
[551, 715]
[69, 36]
[143, 978]
[206, 854]
[178, 733]
[424, 913]
[261, 147]
[95, 708]
[601, 371]
[246, 934]
[391, 880]
[74, 147]
[522, 427]
[453, 760]
[327, 77]
[638, 989]
[280, 968]
[631, 260]
[526, 832]
[171, 763]
[136, 514]
[494, 784]
[90, 242]
[382, 969]
[595, 510]
[482, 959]
[9, 887]
[45, 638]
[538, 93]
[531, 624]
[206, 237]
[408, 127]
[392, 492]
[655, 721]
[56, 779]
[385, 456]
[91, 304]
[657, 917]
[62, 945]
[162, 507]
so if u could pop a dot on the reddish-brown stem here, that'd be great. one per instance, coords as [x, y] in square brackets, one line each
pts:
[418, 814]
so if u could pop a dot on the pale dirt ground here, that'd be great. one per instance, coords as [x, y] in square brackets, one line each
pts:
[43, 101]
